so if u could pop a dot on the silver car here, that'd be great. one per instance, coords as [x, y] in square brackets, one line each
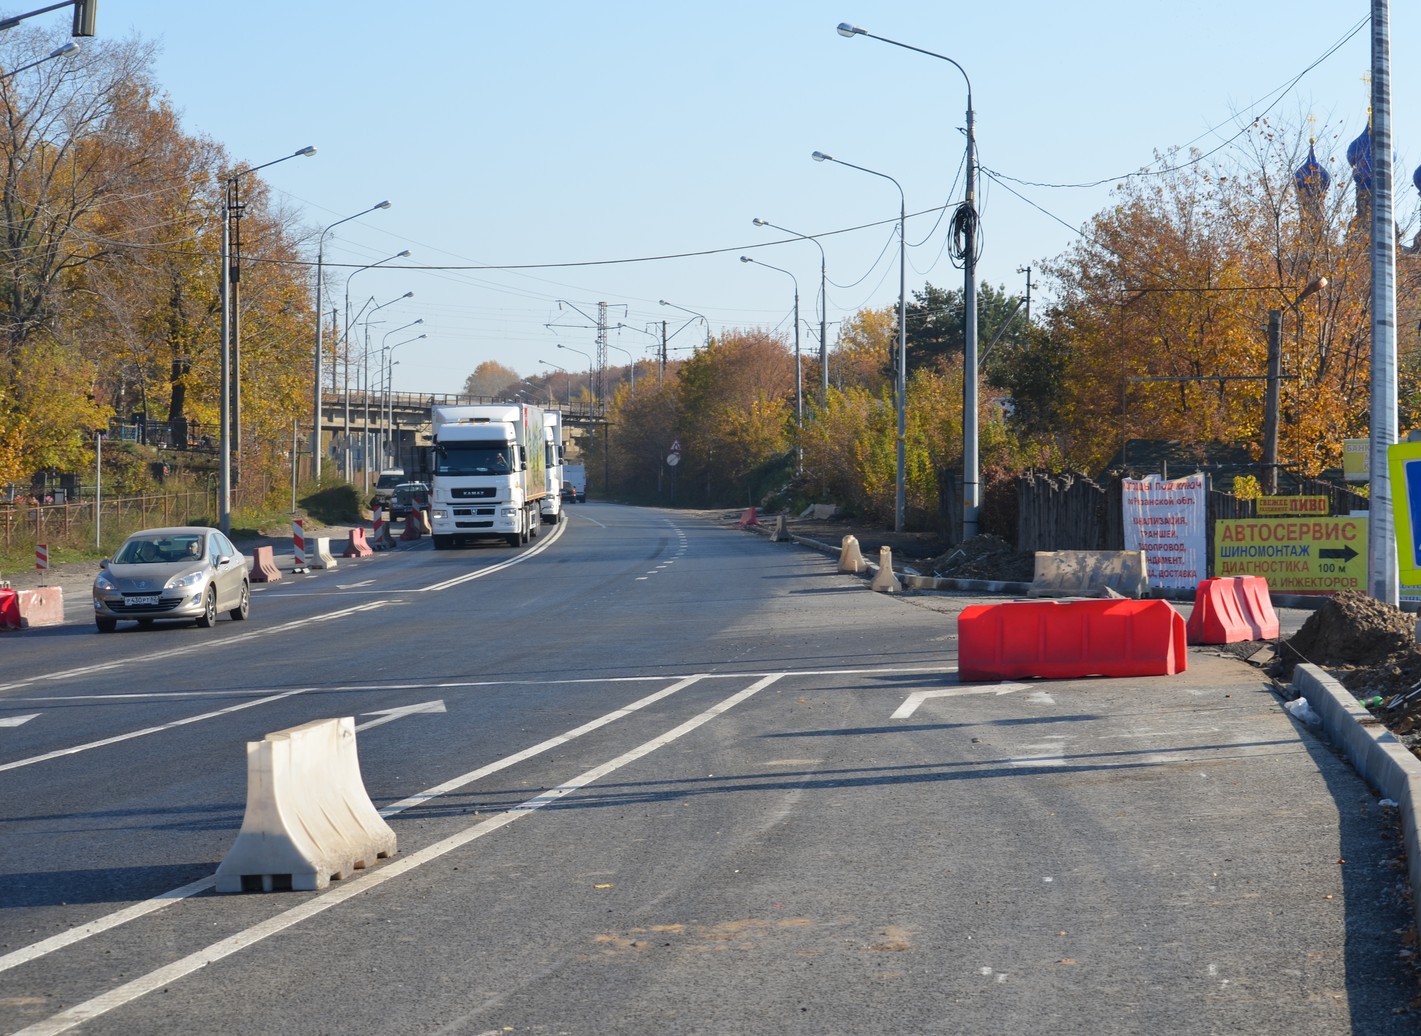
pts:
[185, 572]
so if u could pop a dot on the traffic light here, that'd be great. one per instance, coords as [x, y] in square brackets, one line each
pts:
[84, 17]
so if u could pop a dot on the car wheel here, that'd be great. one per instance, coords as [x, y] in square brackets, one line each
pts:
[106, 625]
[244, 605]
[208, 618]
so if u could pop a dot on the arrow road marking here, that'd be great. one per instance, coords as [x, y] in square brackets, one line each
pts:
[15, 721]
[390, 715]
[910, 705]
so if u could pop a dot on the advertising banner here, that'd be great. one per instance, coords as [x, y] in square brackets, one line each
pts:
[1296, 555]
[1167, 520]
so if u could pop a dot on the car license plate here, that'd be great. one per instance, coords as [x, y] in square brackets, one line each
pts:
[148, 601]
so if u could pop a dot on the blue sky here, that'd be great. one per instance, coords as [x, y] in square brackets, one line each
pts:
[521, 134]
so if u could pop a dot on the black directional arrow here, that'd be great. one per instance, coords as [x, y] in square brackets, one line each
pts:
[1345, 553]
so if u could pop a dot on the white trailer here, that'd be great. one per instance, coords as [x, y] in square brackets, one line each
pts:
[552, 432]
[488, 473]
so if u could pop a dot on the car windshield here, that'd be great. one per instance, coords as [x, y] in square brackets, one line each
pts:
[160, 550]
[460, 458]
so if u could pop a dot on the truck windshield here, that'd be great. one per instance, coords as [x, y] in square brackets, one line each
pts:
[459, 458]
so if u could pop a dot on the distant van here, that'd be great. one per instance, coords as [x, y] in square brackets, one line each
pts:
[385, 485]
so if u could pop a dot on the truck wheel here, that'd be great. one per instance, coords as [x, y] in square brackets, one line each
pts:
[514, 540]
[442, 542]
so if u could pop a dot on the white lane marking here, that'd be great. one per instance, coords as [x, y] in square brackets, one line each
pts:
[911, 703]
[60, 753]
[390, 715]
[543, 544]
[400, 865]
[103, 924]
[355, 586]
[206, 644]
[18, 721]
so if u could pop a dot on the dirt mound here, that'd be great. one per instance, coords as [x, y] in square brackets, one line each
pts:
[984, 557]
[1368, 645]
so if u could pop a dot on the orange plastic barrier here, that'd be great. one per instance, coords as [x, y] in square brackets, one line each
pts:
[1230, 610]
[264, 568]
[413, 526]
[748, 519]
[1065, 639]
[9, 609]
[356, 547]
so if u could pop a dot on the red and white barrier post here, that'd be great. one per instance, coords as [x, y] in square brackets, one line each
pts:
[42, 557]
[298, 545]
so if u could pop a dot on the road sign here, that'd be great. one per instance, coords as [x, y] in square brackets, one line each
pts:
[1403, 462]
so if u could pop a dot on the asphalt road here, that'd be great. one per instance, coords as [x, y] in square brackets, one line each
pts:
[650, 775]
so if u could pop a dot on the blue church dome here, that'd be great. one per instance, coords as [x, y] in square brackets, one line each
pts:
[1311, 178]
[1359, 157]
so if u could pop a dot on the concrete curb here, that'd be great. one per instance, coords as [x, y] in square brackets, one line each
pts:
[1387, 765]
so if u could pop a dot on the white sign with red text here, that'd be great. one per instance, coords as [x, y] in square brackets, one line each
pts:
[1167, 520]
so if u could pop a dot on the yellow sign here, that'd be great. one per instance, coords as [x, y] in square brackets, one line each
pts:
[1357, 460]
[1403, 462]
[1295, 555]
[1275, 505]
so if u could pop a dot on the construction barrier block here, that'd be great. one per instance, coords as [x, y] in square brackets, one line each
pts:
[426, 524]
[1230, 610]
[1089, 573]
[41, 607]
[9, 609]
[748, 518]
[414, 526]
[850, 558]
[264, 568]
[356, 547]
[1066, 639]
[323, 558]
[781, 533]
[884, 581]
[308, 818]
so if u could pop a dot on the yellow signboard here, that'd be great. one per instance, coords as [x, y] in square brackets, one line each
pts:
[1357, 460]
[1275, 505]
[1296, 555]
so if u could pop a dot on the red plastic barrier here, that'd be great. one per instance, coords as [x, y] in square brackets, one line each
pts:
[356, 547]
[9, 609]
[1230, 610]
[748, 519]
[1065, 639]
[264, 568]
[413, 526]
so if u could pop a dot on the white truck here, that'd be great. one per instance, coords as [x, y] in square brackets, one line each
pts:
[552, 432]
[488, 472]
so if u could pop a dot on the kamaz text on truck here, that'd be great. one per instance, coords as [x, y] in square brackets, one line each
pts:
[488, 472]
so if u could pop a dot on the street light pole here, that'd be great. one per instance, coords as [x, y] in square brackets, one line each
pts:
[693, 313]
[965, 227]
[367, 440]
[230, 377]
[568, 387]
[823, 302]
[589, 370]
[1275, 374]
[798, 367]
[383, 439]
[345, 331]
[390, 446]
[900, 496]
[320, 353]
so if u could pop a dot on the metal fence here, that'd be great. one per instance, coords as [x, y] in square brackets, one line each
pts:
[87, 524]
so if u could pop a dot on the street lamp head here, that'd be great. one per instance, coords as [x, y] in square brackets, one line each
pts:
[746, 259]
[306, 152]
[404, 255]
[381, 205]
[820, 156]
[664, 302]
[70, 48]
[760, 222]
[850, 31]
[407, 295]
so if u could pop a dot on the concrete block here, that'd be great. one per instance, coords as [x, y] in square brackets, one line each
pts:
[1090, 573]
[323, 557]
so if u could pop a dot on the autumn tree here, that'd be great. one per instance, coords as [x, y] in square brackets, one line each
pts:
[491, 378]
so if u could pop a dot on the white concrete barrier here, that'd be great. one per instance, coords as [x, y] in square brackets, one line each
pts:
[884, 581]
[851, 560]
[1090, 573]
[323, 557]
[308, 817]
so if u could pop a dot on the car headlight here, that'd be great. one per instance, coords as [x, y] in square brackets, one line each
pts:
[103, 582]
[185, 581]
